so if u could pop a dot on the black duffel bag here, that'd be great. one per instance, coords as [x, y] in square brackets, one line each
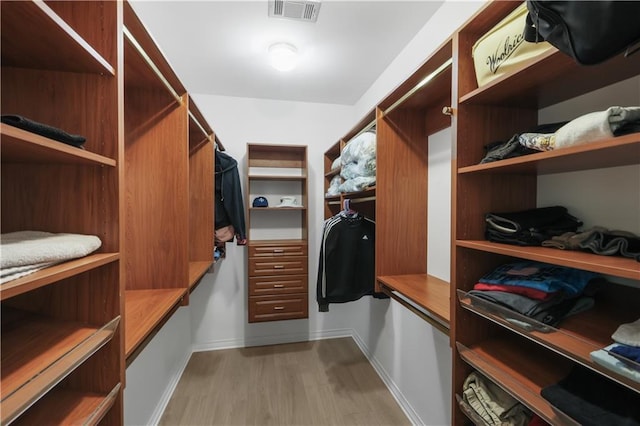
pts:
[589, 31]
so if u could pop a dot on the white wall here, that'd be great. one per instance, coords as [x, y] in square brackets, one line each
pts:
[152, 376]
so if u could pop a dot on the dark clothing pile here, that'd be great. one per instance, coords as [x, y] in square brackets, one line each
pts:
[529, 227]
[593, 400]
[43, 130]
[543, 293]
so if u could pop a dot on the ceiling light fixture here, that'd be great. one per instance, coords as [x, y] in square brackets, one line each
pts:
[283, 56]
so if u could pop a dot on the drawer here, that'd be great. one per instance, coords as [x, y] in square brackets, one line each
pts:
[263, 266]
[277, 285]
[281, 307]
[278, 250]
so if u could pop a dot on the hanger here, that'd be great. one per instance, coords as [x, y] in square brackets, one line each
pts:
[347, 211]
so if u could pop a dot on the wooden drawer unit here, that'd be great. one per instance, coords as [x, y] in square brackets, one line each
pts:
[278, 250]
[277, 285]
[280, 307]
[286, 265]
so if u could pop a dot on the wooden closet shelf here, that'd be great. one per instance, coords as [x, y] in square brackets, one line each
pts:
[197, 270]
[276, 208]
[55, 273]
[146, 311]
[38, 352]
[278, 177]
[619, 151]
[426, 291]
[578, 336]
[332, 173]
[20, 146]
[62, 406]
[521, 370]
[365, 193]
[543, 81]
[27, 49]
[609, 265]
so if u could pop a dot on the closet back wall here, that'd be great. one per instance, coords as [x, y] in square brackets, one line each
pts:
[219, 304]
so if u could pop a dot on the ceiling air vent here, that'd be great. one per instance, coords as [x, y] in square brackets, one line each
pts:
[299, 10]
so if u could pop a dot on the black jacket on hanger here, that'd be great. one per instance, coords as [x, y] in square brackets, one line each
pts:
[228, 197]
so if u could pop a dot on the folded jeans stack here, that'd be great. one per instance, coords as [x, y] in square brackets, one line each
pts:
[542, 292]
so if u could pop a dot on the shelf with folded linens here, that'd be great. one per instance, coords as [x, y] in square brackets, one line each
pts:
[65, 406]
[577, 336]
[612, 152]
[610, 265]
[55, 273]
[39, 351]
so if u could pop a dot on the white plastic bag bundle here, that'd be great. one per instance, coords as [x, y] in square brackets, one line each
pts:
[334, 187]
[361, 148]
[357, 184]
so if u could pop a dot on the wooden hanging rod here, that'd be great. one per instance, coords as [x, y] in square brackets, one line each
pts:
[199, 125]
[420, 85]
[152, 65]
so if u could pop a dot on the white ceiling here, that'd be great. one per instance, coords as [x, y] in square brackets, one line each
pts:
[220, 47]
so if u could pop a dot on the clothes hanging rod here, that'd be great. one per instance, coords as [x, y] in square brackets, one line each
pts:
[199, 125]
[420, 85]
[152, 65]
[419, 312]
[362, 200]
[364, 129]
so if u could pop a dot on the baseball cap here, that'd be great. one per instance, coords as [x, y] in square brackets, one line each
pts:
[260, 202]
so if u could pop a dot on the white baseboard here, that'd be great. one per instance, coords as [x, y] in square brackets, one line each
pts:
[388, 381]
[168, 392]
[274, 339]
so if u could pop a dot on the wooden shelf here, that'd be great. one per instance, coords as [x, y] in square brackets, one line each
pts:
[70, 407]
[55, 273]
[608, 265]
[277, 208]
[145, 312]
[20, 146]
[426, 291]
[63, 49]
[619, 151]
[332, 173]
[520, 369]
[277, 177]
[197, 271]
[543, 81]
[365, 193]
[579, 335]
[38, 352]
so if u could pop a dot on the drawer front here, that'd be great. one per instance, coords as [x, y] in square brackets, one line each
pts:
[278, 250]
[263, 266]
[274, 308]
[277, 285]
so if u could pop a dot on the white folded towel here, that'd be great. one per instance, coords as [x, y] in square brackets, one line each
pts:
[24, 248]
[10, 274]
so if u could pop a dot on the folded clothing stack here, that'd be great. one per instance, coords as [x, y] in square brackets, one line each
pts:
[593, 400]
[25, 252]
[492, 404]
[543, 292]
[43, 130]
[598, 240]
[622, 357]
[529, 227]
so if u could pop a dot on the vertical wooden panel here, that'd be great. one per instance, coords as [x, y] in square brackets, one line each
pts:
[201, 181]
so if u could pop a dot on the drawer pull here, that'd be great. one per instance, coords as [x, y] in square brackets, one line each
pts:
[278, 266]
[278, 308]
[278, 285]
[278, 250]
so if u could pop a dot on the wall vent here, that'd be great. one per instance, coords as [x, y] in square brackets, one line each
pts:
[299, 10]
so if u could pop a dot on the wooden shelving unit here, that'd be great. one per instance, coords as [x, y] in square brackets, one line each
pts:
[278, 262]
[524, 359]
[61, 329]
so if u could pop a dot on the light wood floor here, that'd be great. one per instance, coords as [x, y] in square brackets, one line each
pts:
[325, 382]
